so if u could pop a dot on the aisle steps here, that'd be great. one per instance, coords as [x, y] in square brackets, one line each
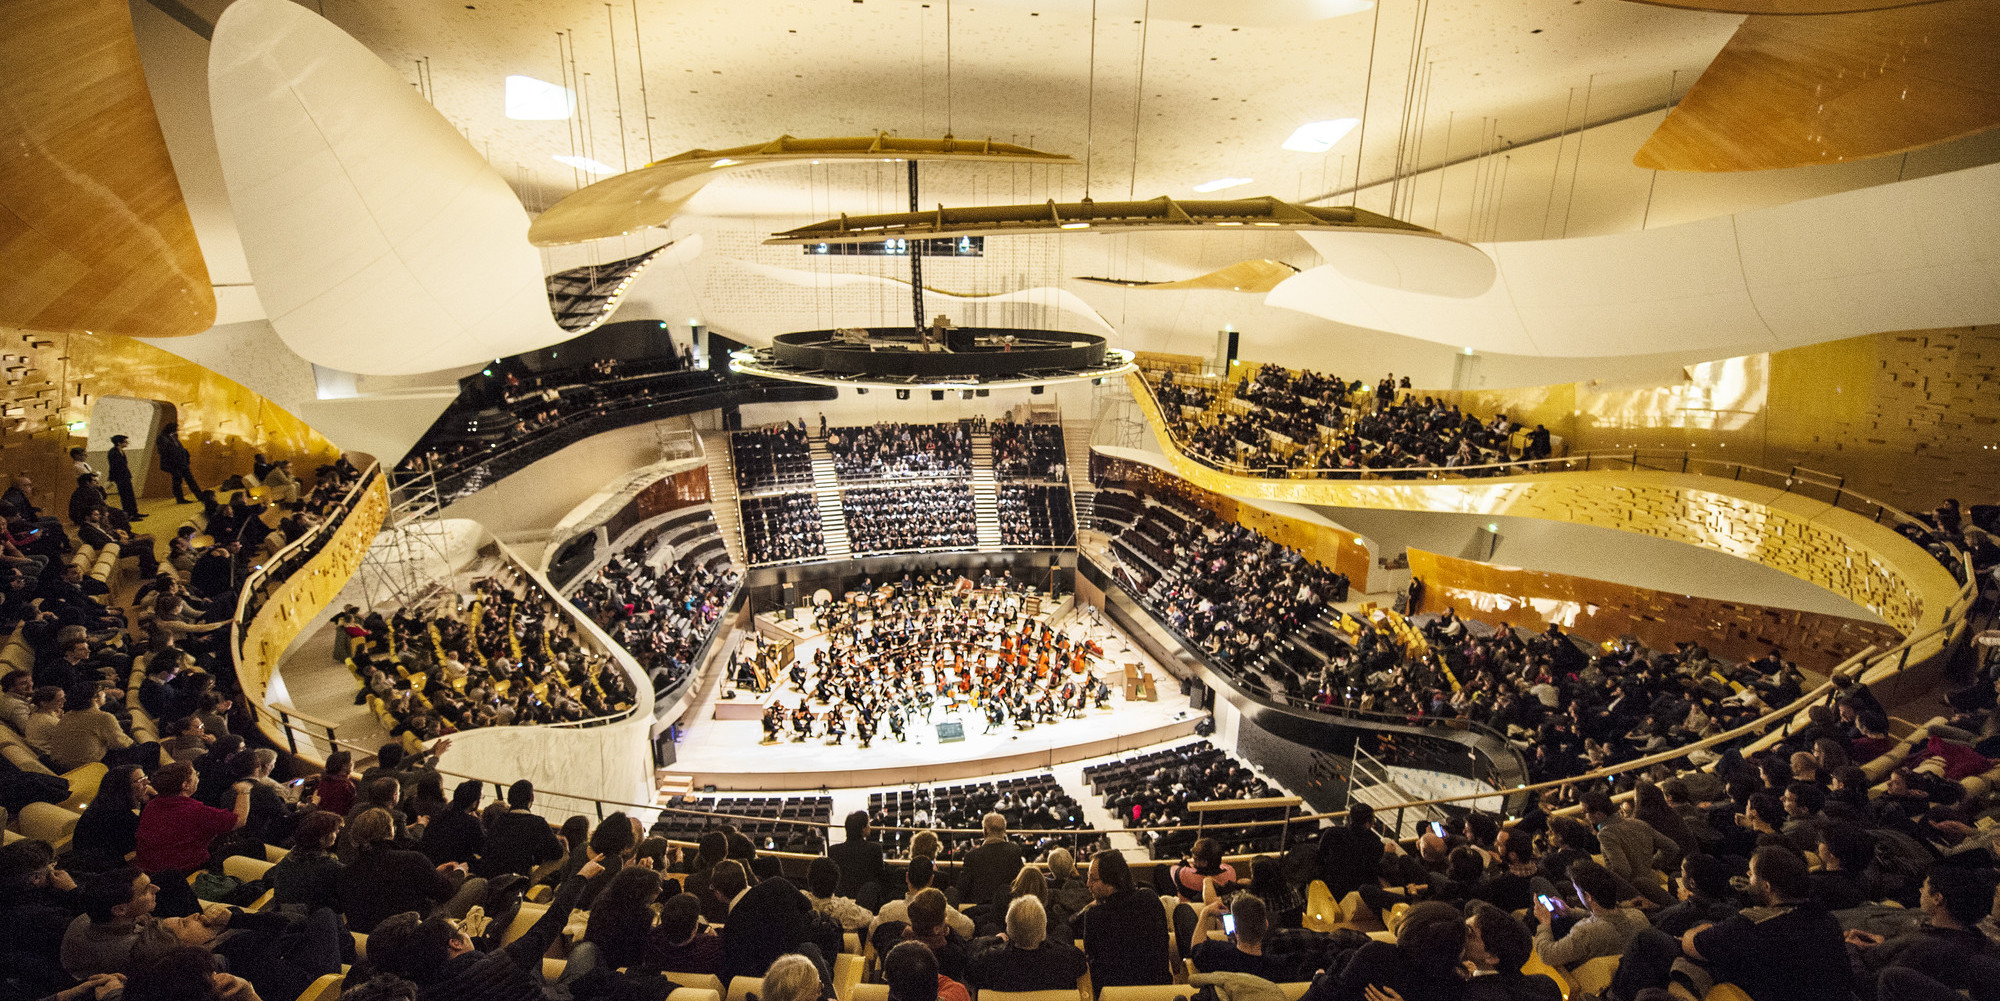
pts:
[722, 493]
[985, 493]
[1076, 452]
[826, 494]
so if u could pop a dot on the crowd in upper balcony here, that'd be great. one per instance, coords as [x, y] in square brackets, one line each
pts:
[1313, 421]
[896, 519]
[901, 451]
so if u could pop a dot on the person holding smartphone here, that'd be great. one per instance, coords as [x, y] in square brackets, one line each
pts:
[1245, 919]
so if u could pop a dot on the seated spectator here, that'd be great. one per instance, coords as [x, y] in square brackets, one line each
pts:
[309, 875]
[334, 790]
[822, 885]
[439, 956]
[37, 902]
[519, 841]
[792, 977]
[108, 831]
[176, 832]
[1125, 934]
[1023, 958]
[1243, 951]
[45, 711]
[384, 880]
[765, 921]
[455, 834]
[16, 699]
[621, 923]
[1423, 962]
[1953, 900]
[87, 733]
[917, 878]
[678, 944]
[1604, 931]
[119, 933]
[986, 870]
[1497, 947]
[1786, 948]
[1205, 869]
[911, 971]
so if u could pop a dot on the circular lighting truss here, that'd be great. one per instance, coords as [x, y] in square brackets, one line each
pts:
[954, 358]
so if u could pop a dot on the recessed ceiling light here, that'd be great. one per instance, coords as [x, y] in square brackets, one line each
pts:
[1318, 137]
[724, 162]
[532, 100]
[1076, 225]
[1222, 182]
[585, 164]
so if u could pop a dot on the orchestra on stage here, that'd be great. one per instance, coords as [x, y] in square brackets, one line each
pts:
[924, 646]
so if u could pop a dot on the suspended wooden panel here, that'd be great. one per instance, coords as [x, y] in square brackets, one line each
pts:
[94, 234]
[1052, 217]
[652, 194]
[1260, 275]
[1785, 7]
[1793, 91]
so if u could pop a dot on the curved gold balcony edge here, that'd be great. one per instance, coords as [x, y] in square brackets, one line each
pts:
[1816, 541]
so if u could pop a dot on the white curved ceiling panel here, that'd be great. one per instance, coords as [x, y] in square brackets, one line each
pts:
[380, 240]
[1911, 255]
[1411, 263]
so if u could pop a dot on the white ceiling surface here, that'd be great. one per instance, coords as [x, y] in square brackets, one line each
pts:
[1221, 91]
[1901, 256]
[380, 240]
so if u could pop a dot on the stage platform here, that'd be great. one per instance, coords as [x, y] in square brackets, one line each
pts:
[729, 753]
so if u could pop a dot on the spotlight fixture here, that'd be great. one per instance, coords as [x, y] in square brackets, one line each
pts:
[1037, 390]
[902, 394]
[937, 395]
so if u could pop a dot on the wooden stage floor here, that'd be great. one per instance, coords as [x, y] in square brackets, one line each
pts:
[729, 753]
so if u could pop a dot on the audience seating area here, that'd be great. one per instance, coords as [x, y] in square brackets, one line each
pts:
[1030, 802]
[503, 655]
[909, 518]
[1275, 420]
[771, 822]
[770, 458]
[901, 451]
[661, 597]
[780, 527]
[1154, 789]
[1036, 514]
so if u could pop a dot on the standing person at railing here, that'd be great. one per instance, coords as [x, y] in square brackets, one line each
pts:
[1125, 933]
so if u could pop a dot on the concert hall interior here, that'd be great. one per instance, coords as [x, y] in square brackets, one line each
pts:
[678, 500]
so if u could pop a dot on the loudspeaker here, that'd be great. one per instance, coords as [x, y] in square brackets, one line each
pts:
[788, 595]
[1200, 696]
[950, 732]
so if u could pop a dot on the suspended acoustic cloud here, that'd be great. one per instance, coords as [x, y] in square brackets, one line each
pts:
[1318, 137]
[532, 100]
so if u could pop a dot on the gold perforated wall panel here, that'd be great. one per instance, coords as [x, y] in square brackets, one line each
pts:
[1601, 610]
[52, 380]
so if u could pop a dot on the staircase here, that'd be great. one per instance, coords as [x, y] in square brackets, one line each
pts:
[722, 494]
[985, 493]
[826, 495]
[1076, 457]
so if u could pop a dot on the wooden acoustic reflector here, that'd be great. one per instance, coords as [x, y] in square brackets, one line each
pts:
[94, 234]
[651, 195]
[1796, 91]
[1261, 275]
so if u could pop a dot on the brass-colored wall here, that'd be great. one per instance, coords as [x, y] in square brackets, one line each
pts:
[1336, 548]
[299, 597]
[53, 379]
[1908, 418]
[1600, 610]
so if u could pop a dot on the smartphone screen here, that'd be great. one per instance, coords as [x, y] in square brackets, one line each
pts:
[1438, 829]
[1228, 924]
[1549, 903]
